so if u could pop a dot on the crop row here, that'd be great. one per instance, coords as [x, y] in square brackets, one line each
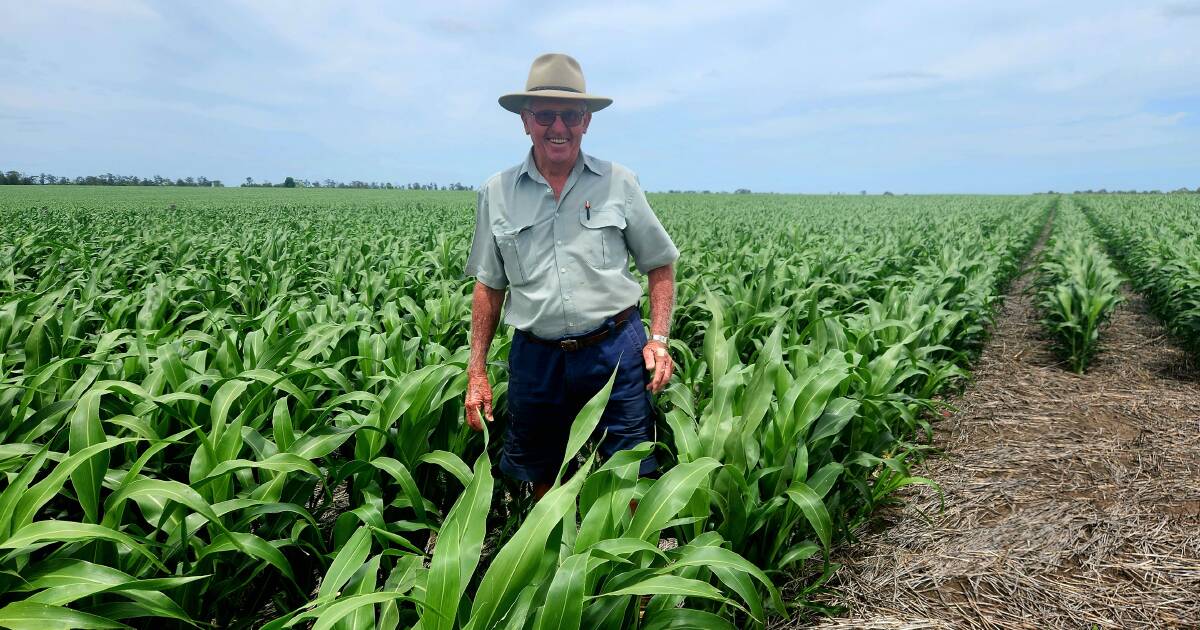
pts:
[1077, 287]
[242, 410]
[1157, 242]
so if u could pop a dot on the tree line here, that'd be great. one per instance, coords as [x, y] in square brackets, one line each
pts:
[331, 183]
[1134, 192]
[17, 178]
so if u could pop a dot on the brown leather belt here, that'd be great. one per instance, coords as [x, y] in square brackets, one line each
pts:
[571, 345]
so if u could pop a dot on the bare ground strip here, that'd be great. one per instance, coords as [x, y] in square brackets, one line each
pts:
[1071, 501]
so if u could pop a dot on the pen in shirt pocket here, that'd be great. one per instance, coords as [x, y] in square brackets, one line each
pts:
[587, 205]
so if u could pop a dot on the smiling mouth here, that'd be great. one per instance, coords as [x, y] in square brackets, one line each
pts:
[558, 140]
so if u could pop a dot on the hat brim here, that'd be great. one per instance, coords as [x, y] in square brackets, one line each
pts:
[514, 102]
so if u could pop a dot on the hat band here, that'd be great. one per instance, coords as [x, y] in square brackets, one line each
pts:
[562, 88]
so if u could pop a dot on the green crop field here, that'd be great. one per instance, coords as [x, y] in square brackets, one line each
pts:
[244, 407]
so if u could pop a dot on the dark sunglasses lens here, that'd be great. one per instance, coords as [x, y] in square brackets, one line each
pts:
[570, 117]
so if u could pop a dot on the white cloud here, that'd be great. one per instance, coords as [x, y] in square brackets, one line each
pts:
[414, 87]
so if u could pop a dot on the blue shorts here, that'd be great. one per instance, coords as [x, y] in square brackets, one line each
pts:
[548, 386]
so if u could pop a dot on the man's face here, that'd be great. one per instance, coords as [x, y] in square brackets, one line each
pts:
[556, 144]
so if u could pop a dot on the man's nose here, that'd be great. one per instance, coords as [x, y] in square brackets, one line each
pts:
[558, 125]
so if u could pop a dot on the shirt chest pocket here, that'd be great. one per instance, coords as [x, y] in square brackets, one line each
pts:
[515, 244]
[603, 237]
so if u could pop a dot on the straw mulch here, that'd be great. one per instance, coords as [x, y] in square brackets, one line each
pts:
[1071, 501]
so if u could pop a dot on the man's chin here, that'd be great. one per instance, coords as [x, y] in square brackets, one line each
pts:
[561, 156]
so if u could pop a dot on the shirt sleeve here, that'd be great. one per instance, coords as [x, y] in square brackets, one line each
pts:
[484, 261]
[645, 236]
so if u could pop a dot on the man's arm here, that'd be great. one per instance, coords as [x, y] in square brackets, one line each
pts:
[486, 303]
[662, 302]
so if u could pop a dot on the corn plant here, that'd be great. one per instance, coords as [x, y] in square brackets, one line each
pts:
[1156, 240]
[238, 408]
[1077, 288]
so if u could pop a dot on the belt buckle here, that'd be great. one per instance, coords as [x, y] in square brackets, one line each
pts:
[569, 345]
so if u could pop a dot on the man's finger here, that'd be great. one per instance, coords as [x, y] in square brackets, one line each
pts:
[648, 357]
[668, 370]
[660, 376]
[487, 409]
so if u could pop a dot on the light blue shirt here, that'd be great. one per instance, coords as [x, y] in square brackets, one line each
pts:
[565, 262]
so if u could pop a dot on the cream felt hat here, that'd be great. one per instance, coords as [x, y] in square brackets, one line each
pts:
[554, 75]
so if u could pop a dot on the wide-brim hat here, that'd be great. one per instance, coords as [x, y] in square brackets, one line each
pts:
[554, 75]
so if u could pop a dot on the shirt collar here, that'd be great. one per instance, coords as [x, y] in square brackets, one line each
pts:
[529, 167]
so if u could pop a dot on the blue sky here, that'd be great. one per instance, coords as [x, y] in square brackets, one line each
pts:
[917, 96]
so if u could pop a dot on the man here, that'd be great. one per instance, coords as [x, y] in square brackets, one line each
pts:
[556, 232]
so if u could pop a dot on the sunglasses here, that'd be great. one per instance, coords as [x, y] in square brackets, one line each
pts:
[570, 117]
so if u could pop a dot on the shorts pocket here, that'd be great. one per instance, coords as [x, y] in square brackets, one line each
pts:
[635, 332]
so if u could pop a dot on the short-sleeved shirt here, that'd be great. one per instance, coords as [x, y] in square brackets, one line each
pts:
[565, 262]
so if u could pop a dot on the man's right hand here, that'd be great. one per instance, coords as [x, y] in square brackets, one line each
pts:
[479, 397]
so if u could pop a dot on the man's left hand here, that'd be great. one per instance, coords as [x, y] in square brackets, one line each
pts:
[658, 360]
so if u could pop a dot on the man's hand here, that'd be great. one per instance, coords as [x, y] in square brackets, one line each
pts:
[479, 396]
[485, 314]
[659, 361]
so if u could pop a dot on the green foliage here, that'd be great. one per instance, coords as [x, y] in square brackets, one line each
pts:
[1156, 240]
[1078, 288]
[241, 407]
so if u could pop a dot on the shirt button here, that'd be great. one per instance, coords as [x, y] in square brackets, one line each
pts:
[558, 242]
[568, 298]
[562, 270]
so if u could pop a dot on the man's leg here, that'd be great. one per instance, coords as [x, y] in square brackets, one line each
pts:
[537, 433]
[628, 418]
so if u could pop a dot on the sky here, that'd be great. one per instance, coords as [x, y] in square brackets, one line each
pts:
[922, 96]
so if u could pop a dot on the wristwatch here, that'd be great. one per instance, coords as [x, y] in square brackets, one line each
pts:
[660, 338]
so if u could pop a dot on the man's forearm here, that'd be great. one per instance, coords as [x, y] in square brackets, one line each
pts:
[485, 316]
[662, 299]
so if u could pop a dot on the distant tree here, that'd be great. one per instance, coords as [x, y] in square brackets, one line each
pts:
[289, 183]
[742, 191]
